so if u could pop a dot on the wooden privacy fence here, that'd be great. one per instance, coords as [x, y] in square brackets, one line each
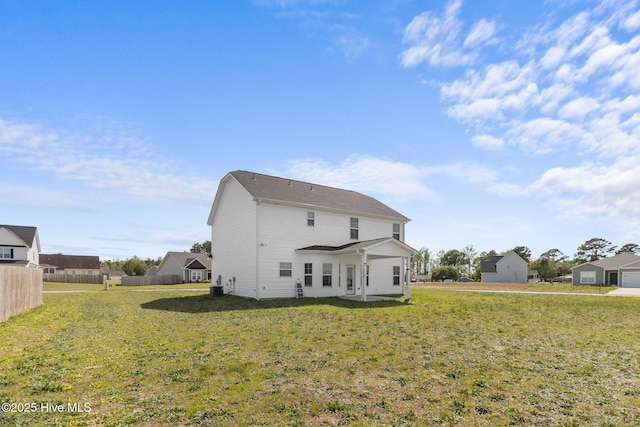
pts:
[20, 290]
[166, 279]
[74, 278]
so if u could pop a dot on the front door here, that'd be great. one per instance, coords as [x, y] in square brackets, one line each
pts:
[351, 274]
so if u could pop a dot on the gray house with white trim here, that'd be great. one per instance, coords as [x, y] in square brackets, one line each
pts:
[607, 271]
[189, 267]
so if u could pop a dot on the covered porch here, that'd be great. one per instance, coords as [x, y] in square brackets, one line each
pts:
[366, 267]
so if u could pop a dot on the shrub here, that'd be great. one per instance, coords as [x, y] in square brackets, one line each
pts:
[446, 272]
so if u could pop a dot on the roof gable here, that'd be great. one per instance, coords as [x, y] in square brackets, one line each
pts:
[195, 264]
[282, 190]
[24, 236]
[184, 259]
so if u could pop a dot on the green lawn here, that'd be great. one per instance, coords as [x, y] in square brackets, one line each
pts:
[114, 285]
[448, 358]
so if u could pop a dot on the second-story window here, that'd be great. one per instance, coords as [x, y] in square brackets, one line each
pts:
[396, 231]
[311, 219]
[354, 228]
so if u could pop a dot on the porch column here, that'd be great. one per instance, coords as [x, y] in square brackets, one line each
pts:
[407, 278]
[363, 281]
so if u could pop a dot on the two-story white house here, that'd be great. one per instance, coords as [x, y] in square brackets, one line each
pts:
[19, 246]
[507, 268]
[270, 233]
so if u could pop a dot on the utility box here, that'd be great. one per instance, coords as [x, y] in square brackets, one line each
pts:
[216, 291]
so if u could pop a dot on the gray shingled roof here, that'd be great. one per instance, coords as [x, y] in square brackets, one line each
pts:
[85, 262]
[272, 188]
[490, 265]
[26, 234]
[185, 258]
[616, 261]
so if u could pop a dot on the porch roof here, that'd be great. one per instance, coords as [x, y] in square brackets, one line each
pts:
[373, 248]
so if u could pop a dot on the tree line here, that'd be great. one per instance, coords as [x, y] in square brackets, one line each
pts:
[136, 266]
[466, 262]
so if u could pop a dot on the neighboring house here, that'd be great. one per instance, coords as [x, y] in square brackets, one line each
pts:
[507, 268]
[19, 246]
[70, 264]
[152, 271]
[609, 271]
[190, 267]
[270, 234]
[112, 274]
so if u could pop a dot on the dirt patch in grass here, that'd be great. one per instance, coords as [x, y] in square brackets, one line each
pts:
[447, 358]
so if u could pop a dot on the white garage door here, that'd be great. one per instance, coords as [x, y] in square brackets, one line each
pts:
[630, 280]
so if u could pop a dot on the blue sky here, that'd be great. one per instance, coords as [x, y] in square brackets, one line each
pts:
[498, 124]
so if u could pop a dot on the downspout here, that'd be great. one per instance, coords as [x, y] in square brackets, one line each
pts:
[363, 276]
[257, 269]
[407, 278]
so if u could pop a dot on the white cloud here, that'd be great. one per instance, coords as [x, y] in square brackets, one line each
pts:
[110, 159]
[578, 108]
[595, 188]
[397, 181]
[632, 23]
[349, 41]
[435, 39]
[482, 32]
[487, 142]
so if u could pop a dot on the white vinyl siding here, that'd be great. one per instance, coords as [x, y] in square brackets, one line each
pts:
[233, 239]
[587, 277]
[278, 230]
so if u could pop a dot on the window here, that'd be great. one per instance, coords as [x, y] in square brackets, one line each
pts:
[396, 231]
[354, 228]
[285, 269]
[396, 275]
[326, 274]
[196, 275]
[308, 274]
[311, 219]
[587, 277]
[6, 253]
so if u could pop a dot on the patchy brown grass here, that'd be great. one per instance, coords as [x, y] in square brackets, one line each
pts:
[516, 287]
[447, 358]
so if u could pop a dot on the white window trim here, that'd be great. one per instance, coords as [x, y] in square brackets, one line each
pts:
[286, 267]
[588, 277]
[327, 272]
[308, 275]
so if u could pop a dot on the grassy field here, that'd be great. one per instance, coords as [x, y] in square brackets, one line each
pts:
[448, 358]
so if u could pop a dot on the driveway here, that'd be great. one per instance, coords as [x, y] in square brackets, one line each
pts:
[625, 292]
